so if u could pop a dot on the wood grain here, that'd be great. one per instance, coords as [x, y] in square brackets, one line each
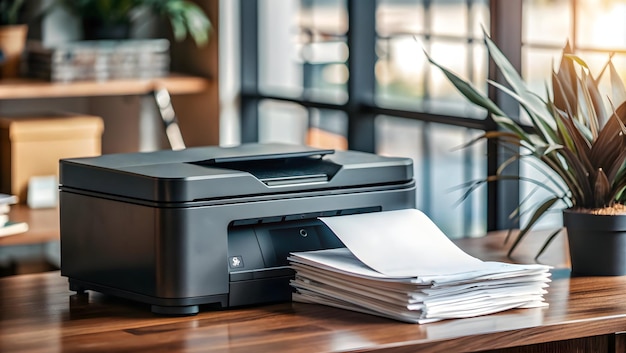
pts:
[39, 314]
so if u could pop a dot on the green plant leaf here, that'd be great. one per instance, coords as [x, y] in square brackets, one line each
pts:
[563, 135]
[198, 24]
[538, 115]
[510, 74]
[468, 90]
[563, 95]
[619, 92]
[548, 242]
[503, 136]
[598, 105]
[576, 58]
[506, 68]
[564, 83]
[184, 16]
[601, 189]
[608, 151]
[575, 141]
[586, 107]
[511, 125]
[10, 12]
[539, 212]
[576, 177]
[561, 187]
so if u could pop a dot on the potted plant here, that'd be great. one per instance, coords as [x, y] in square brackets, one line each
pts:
[112, 19]
[12, 37]
[579, 134]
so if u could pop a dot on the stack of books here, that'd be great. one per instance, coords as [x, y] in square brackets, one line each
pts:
[98, 60]
[398, 264]
[8, 226]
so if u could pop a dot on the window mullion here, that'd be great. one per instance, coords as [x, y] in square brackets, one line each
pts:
[506, 32]
[249, 43]
[361, 62]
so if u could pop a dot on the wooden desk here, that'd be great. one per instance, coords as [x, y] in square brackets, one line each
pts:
[39, 314]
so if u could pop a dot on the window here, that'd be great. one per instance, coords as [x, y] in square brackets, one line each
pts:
[353, 74]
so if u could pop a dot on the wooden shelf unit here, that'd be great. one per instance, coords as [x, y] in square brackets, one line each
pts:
[43, 226]
[31, 88]
[193, 86]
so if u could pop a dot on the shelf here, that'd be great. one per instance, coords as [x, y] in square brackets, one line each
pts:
[31, 88]
[43, 225]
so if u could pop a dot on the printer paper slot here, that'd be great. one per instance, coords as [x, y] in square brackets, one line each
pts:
[300, 179]
[284, 171]
[265, 152]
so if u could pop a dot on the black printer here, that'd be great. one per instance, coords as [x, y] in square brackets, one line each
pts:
[212, 225]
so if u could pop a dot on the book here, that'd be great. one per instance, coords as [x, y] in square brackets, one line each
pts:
[398, 264]
[4, 219]
[4, 208]
[98, 60]
[12, 227]
[6, 199]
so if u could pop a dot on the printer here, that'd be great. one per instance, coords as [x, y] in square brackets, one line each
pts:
[212, 226]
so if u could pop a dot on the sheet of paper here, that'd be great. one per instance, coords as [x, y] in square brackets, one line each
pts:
[405, 243]
[340, 260]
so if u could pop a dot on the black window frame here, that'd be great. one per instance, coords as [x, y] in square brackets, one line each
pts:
[360, 108]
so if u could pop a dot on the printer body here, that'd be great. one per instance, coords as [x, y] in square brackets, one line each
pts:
[211, 225]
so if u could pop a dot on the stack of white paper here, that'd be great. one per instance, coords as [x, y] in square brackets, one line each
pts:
[399, 264]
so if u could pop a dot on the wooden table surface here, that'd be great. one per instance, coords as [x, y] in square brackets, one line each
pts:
[39, 314]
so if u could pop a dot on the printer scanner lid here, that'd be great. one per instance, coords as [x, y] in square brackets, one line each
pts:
[203, 173]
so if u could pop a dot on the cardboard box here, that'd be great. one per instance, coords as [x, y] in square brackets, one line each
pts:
[32, 146]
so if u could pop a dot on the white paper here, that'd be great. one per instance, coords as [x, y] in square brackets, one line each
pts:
[400, 243]
[398, 264]
[406, 243]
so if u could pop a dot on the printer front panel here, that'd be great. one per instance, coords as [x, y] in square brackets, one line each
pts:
[264, 234]
[257, 257]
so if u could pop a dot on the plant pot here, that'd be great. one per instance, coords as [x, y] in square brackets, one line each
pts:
[95, 30]
[597, 243]
[12, 42]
